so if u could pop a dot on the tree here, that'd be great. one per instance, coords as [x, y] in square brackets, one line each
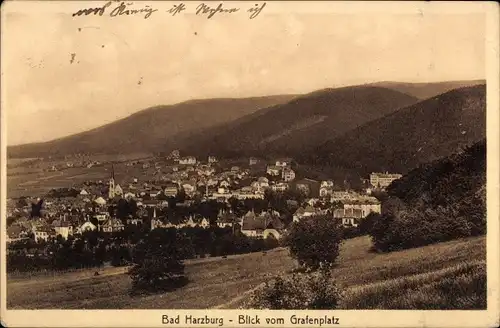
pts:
[315, 242]
[122, 209]
[157, 262]
[21, 202]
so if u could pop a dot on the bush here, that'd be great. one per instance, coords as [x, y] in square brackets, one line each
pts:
[315, 242]
[299, 291]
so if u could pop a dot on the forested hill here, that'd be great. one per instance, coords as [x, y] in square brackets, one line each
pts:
[420, 133]
[436, 202]
[446, 181]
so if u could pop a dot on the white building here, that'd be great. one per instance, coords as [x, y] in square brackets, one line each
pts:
[366, 206]
[383, 180]
[273, 170]
[287, 174]
[189, 160]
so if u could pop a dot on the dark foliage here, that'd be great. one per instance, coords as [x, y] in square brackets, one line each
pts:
[315, 242]
[436, 202]
[299, 291]
[158, 262]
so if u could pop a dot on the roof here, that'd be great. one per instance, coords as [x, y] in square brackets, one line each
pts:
[262, 222]
[227, 217]
[299, 211]
[361, 201]
[113, 222]
[100, 200]
[309, 209]
[249, 214]
[60, 223]
[44, 228]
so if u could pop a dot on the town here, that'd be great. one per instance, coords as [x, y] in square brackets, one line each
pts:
[258, 200]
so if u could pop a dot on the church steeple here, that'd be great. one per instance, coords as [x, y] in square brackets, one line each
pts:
[111, 192]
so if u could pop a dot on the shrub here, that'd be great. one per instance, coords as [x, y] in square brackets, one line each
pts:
[315, 242]
[299, 291]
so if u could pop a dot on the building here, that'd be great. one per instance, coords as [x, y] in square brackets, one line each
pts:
[43, 232]
[189, 187]
[226, 219]
[253, 161]
[327, 184]
[366, 205]
[189, 160]
[308, 211]
[112, 225]
[338, 196]
[273, 170]
[171, 190]
[118, 190]
[287, 174]
[262, 226]
[212, 159]
[242, 194]
[111, 189]
[102, 216]
[100, 201]
[280, 187]
[283, 162]
[350, 217]
[383, 180]
[63, 228]
[86, 226]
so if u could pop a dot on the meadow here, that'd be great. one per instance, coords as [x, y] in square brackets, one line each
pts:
[226, 282]
[24, 179]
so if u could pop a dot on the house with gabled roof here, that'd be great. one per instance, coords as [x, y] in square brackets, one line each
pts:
[262, 226]
[86, 226]
[226, 219]
[112, 225]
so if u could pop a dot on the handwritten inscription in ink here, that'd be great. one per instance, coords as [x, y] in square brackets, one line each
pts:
[121, 8]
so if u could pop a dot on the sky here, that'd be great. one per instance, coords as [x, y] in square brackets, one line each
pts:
[63, 75]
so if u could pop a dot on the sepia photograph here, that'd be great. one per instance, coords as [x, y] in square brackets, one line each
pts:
[218, 160]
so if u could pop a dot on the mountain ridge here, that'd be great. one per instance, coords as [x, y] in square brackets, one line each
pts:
[423, 132]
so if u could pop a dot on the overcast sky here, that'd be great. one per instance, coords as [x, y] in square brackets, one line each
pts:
[124, 64]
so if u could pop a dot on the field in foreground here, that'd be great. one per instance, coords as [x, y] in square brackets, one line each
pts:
[224, 283]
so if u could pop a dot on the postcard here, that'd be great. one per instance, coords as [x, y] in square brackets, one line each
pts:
[249, 164]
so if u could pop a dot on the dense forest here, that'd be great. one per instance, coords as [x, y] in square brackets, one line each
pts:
[438, 201]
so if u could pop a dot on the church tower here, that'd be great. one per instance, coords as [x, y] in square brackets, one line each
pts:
[111, 192]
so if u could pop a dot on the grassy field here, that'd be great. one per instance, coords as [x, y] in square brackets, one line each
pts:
[224, 283]
[358, 267]
[462, 286]
[213, 281]
[23, 180]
